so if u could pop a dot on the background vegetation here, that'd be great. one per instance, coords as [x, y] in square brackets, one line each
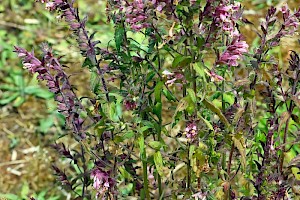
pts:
[29, 122]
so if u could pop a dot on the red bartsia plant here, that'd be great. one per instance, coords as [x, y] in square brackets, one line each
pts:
[50, 70]
[176, 119]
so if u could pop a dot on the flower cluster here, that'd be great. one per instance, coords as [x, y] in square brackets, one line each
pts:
[289, 26]
[214, 77]
[137, 12]
[70, 14]
[290, 22]
[129, 104]
[62, 177]
[173, 77]
[136, 16]
[102, 182]
[161, 5]
[151, 177]
[233, 52]
[226, 16]
[68, 103]
[191, 130]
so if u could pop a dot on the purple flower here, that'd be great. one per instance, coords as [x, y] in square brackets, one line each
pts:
[151, 177]
[161, 5]
[233, 52]
[173, 77]
[130, 104]
[30, 62]
[226, 16]
[200, 196]
[135, 15]
[290, 22]
[50, 70]
[289, 26]
[85, 43]
[102, 182]
[191, 130]
[62, 177]
[214, 76]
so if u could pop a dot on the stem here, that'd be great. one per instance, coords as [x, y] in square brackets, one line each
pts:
[229, 170]
[160, 125]
[84, 171]
[223, 89]
[290, 110]
[230, 160]
[189, 169]
[284, 141]
[145, 175]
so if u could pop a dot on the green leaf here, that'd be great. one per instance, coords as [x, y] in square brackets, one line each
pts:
[157, 110]
[130, 134]
[158, 161]
[117, 96]
[295, 162]
[239, 143]
[144, 128]
[119, 35]
[95, 82]
[8, 87]
[199, 70]
[113, 114]
[118, 139]
[182, 105]
[191, 105]
[148, 123]
[141, 146]
[192, 151]
[169, 95]
[200, 41]
[125, 190]
[155, 145]
[181, 61]
[192, 95]
[87, 62]
[157, 91]
[9, 196]
[38, 92]
[45, 124]
[19, 101]
[208, 124]
[42, 195]
[150, 76]
[25, 190]
[285, 116]
[228, 98]
[9, 99]
[216, 110]
[18, 80]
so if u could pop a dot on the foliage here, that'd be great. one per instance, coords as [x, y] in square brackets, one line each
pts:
[230, 136]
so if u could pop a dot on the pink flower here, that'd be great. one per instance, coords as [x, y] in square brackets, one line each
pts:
[226, 16]
[130, 104]
[233, 52]
[191, 130]
[200, 196]
[173, 77]
[101, 182]
[135, 15]
[57, 83]
[215, 77]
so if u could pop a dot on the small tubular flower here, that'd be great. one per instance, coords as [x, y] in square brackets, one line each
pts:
[50, 70]
[233, 52]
